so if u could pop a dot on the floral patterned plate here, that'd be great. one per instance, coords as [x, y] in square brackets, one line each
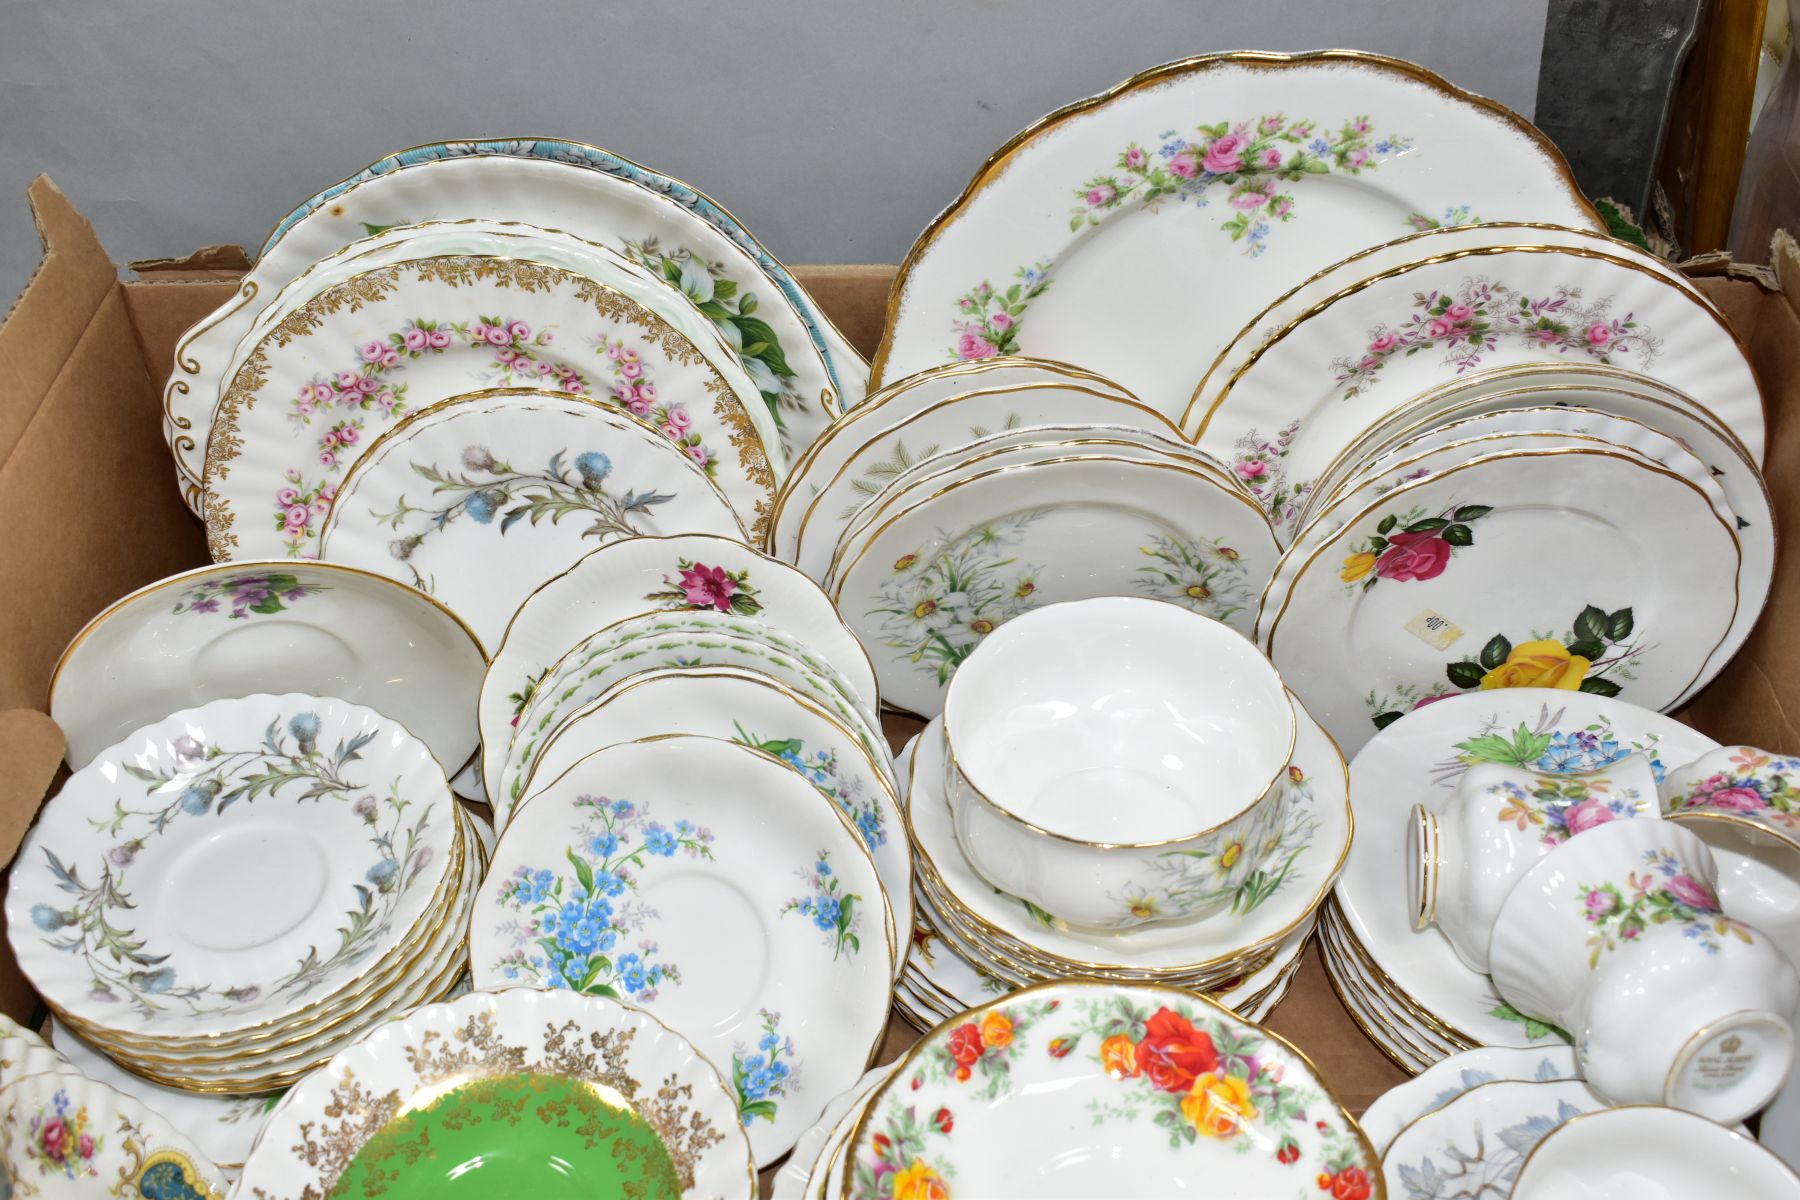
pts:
[933, 580]
[1153, 1081]
[810, 372]
[677, 574]
[794, 1180]
[1274, 899]
[919, 427]
[1080, 232]
[228, 865]
[1418, 759]
[690, 639]
[1403, 251]
[645, 1113]
[1350, 361]
[320, 387]
[235, 628]
[1415, 597]
[1397, 1031]
[751, 709]
[708, 883]
[70, 1136]
[480, 499]
[1475, 1144]
[1400, 1106]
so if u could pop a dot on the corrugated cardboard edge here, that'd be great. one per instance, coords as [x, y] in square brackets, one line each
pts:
[31, 746]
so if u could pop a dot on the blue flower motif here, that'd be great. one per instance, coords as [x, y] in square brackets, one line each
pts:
[382, 874]
[769, 1042]
[594, 467]
[659, 841]
[632, 974]
[684, 829]
[483, 505]
[623, 809]
[604, 845]
[869, 825]
[825, 912]
[47, 918]
[158, 981]
[823, 868]
[305, 728]
[608, 883]
[1319, 146]
[198, 798]
[1384, 147]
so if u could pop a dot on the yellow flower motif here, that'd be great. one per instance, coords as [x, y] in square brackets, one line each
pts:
[996, 1030]
[982, 626]
[924, 609]
[1198, 591]
[1229, 553]
[1143, 908]
[1231, 855]
[1356, 566]
[920, 1182]
[1546, 664]
[905, 561]
[1218, 1105]
[1118, 1054]
[1025, 588]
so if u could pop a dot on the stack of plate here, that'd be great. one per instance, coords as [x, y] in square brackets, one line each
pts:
[972, 942]
[227, 897]
[1406, 987]
[691, 699]
[813, 1170]
[962, 496]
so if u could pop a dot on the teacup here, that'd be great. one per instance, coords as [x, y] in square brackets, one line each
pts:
[1463, 861]
[1741, 779]
[1618, 937]
[1759, 870]
[1650, 1152]
[1118, 761]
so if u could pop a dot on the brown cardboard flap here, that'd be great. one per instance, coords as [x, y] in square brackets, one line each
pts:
[32, 746]
[52, 312]
[208, 262]
[854, 297]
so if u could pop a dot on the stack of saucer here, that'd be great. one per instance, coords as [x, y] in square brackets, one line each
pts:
[1049, 841]
[227, 897]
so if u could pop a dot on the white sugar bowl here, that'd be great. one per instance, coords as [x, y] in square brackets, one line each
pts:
[1463, 861]
[1118, 761]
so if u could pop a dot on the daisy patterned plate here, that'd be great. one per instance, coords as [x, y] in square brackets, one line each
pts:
[480, 499]
[1077, 238]
[715, 888]
[1087, 1089]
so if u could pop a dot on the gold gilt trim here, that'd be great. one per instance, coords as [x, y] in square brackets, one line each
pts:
[997, 163]
[226, 443]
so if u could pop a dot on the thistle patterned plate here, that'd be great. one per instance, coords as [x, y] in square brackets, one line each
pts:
[1403, 251]
[676, 574]
[662, 225]
[691, 639]
[1475, 1144]
[428, 1106]
[1351, 360]
[750, 709]
[1279, 892]
[1416, 596]
[1087, 1089]
[1418, 760]
[228, 630]
[342, 368]
[714, 887]
[936, 578]
[1080, 233]
[917, 427]
[1401, 1106]
[228, 865]
[481, 499]
[64, 1135]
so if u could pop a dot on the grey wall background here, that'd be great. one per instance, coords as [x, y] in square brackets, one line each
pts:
[834, 129]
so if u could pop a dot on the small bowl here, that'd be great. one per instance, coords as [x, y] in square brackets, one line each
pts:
[1118, 761]
[1650, 1152]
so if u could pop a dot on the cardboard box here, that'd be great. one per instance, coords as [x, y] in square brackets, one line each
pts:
[89, 511]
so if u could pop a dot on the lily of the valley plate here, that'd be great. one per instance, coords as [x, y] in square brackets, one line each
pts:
[317, 390]
[1300, 298]
[1137, 1088]
[1007, 450]
[1475, 1144]
[1417, 596]
[290, 839]
[918, 427]
[627, 578]
[70, 1136]
[231, 629]
[1418, 760]
[1401, 1106]
[1295, 878]
[1077, 233]
[654, 221]
[753, 710]
[933, 580]
[695, 639]
[708, 883]
[1349, 361]
[481, 499]
[429, 1105]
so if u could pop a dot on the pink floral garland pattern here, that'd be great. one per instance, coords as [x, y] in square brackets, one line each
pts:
[1473, 319]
